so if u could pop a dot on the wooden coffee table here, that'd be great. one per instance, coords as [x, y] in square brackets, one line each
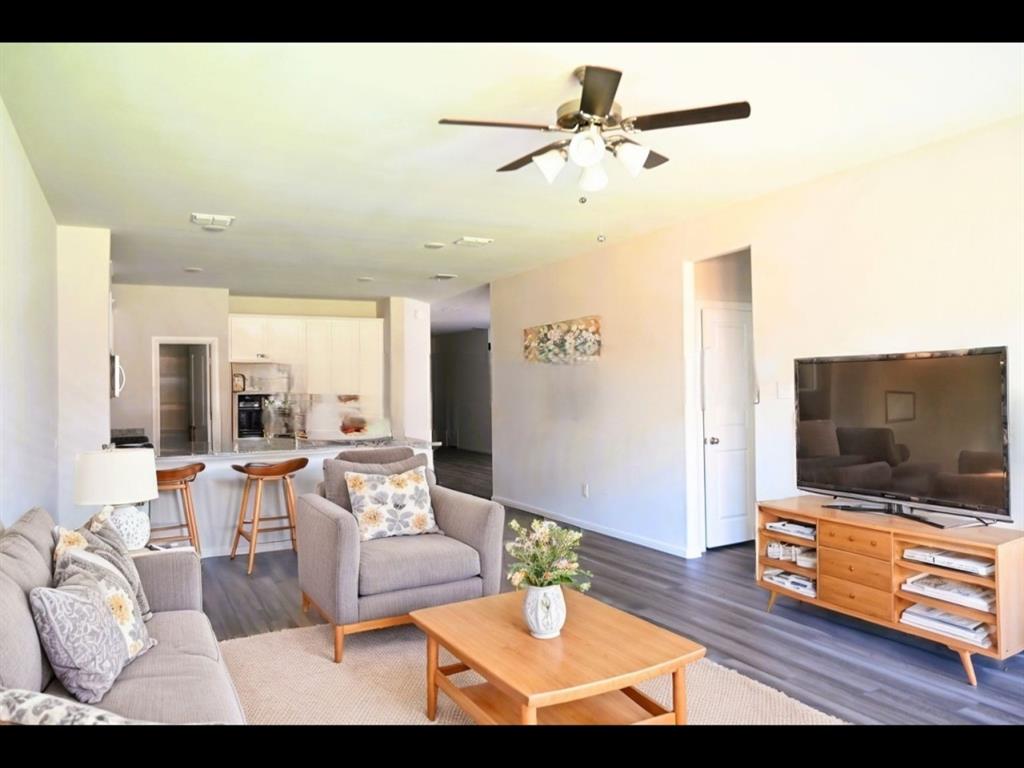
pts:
[584, 676]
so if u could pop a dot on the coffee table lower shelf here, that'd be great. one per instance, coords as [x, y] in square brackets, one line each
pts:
[488, 705]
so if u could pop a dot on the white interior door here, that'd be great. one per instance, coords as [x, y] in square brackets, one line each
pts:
[728, 387]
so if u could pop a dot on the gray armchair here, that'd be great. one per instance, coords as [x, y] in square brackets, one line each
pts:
[361, 585]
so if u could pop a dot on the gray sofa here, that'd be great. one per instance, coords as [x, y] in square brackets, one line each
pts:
[183, 679]
[362, 585]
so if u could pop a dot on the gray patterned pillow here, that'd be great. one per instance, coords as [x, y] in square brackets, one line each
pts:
[391, 505]
[89, 626]
[97, 535]
[34, 708]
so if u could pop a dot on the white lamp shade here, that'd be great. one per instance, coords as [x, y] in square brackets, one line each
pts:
[587, 148]
[550, 163]
[633, 156]
[119, 476]
[594, 178]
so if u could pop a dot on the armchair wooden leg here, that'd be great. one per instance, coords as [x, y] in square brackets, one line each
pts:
[305, 603]
[339, 643]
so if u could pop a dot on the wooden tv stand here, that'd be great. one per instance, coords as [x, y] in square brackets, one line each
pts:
[860, 569]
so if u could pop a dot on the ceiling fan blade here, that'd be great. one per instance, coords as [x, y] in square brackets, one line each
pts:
[654, 160]
[492, 124]
[599, 87]
[735, 111]
[515, 165]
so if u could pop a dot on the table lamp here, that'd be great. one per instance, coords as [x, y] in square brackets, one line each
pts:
[118, 479]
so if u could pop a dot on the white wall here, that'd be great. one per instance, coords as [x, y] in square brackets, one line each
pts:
[28, 335]
[83, 354]
[922, 251]
[407, 348]
[277, 305]
[724, 278]
[144, 311]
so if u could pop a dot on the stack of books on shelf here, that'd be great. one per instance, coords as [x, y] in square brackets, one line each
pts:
[800, 530]
[948, 624]
[952, 591]
[793, 581]
[979, 566]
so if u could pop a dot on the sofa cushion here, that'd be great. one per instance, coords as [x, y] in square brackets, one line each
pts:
[23, 663]
[405, 562]
[376, 455]
[336, 489]
[36, 526]
[181, 680]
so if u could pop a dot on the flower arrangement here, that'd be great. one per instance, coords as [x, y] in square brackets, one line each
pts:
[565, 342]
[545, 555]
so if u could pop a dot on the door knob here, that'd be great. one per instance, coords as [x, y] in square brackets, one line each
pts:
[713, 440]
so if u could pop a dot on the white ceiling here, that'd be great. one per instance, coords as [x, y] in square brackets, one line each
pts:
[333, 162]
[463, 312]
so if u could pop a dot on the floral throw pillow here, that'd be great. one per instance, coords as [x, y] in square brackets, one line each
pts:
[391, 505]
[34, 708]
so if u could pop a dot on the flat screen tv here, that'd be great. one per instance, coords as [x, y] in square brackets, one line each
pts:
[917, 431]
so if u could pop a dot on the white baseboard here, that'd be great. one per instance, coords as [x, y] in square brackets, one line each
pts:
[615, 533]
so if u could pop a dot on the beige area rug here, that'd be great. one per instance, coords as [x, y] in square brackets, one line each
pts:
[288, 677]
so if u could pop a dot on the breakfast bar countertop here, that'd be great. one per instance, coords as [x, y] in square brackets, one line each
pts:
[277, 446]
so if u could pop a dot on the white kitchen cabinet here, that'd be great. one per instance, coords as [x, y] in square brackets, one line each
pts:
[246, 339]
[345, 356]
[318, 356]
[285, 342]
[371, 366]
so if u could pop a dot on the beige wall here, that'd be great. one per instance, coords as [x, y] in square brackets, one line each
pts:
[83, 311]
[922, 251]
[144, 311]
[28, 335]
[269, 305]
[724, 278]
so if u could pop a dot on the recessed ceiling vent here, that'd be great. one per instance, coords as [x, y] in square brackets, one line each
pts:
[444, 276]
[433, 245]
[474, 242]
[212, 222]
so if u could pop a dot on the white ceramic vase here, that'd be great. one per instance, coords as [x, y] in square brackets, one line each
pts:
[544, 611]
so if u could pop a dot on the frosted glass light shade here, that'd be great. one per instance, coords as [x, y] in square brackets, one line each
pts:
[550, 163]
[119, 476]
[632, 156]
[587, 148]
[594, 178]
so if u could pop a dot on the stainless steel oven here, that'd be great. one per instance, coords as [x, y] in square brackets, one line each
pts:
[250, 415]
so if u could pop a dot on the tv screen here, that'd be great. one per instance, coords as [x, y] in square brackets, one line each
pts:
[927, 429]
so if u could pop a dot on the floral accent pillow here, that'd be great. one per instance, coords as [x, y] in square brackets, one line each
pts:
[34, 708]
[391, 505]
[98, 536]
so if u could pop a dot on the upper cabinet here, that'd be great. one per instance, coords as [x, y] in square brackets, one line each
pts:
[327, 355]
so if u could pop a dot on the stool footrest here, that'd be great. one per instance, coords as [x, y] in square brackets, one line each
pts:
[279, 528]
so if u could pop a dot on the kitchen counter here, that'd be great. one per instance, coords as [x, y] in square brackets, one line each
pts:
[217, 491]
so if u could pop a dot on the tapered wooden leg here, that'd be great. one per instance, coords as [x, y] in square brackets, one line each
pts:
[289, 503]
[679, 695]
[527, 715]
[241, 518]
[339, 643]
[305, 603]
[194, 531]
[771, 600]
[965, 659]
[254, 532]
[431, 678]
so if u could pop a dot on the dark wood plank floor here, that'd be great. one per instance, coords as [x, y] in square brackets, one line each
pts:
[848, 668]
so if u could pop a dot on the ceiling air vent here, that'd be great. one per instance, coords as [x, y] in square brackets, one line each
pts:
[474, 242]
[444, 276]
[433, 245]
[212, 222]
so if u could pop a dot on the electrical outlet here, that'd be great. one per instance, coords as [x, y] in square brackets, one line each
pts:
[586, 490]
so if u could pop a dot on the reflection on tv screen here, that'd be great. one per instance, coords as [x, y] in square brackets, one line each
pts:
[930, 428]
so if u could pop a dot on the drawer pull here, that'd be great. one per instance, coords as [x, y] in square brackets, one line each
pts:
[853, 596]
[851, 538]
[832, 534]
[874, 543]
[850, 567]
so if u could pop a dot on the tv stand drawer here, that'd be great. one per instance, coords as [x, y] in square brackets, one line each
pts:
[869, 571]
[863, 541]
[855, 597]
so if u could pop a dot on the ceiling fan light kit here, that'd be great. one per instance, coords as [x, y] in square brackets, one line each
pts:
[596, 124]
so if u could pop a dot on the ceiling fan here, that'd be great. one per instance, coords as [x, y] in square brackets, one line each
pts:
[596, 125]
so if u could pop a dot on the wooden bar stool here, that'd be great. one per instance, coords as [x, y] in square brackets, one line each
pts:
[179, 479]
[257, 474]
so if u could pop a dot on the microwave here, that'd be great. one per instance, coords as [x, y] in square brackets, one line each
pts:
[117, 377]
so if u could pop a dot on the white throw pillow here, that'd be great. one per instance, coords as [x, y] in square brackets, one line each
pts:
[391, 505]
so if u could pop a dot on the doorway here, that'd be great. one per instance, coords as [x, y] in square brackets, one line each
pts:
[728, 394]
[184, 404]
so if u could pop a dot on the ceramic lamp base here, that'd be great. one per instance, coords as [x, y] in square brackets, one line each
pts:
[132, 523]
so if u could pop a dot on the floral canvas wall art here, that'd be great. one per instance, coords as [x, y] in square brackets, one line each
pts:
[569, 341]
